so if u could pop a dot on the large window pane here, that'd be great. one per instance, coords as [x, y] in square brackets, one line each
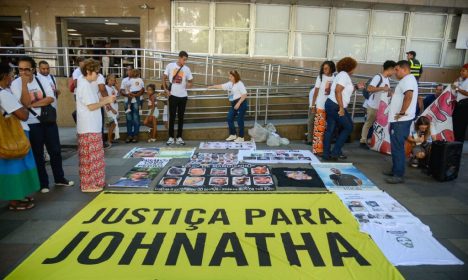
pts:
[310, 45]
[350, 46]
[352, 21]
[270, 43]
[232, 15]
[384, 49]
[232, 42]
[454, 27]
[388, 23]
[273, 17]
[312, 19]
[427, 52]
[428, 26]
[192, 40]
[192, 14]
[454, 57]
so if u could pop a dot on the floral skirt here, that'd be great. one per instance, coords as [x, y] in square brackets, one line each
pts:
[320, 123]
[91, 157]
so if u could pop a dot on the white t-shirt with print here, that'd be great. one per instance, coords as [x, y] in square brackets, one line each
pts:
[76, 73]
[321, 85]
[52, 83]
[463, 85]
[9, 104]
[99, 81]
[112, 91]
[35, 93]
[136, 84]
[344, 80]
[407, 83]
[123, 86]
[235, 91]
[374, 98]
[87, 121]
[179, 83]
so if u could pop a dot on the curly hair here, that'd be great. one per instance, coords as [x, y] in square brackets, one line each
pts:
[346, 64]
[90, 65]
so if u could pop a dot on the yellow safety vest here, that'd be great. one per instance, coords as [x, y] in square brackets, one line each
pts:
[415, 66]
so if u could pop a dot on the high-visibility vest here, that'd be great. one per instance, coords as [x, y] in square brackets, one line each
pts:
[415, 66]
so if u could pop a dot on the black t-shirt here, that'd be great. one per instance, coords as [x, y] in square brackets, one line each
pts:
[297, 177]
[345, 180]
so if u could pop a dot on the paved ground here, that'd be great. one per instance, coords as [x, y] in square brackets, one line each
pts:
[442, 206]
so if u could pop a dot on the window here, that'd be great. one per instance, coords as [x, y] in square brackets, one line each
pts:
[192, 26]
[383, 49]
[427, 36]
[453, 56]
[232, 23]
[352, 21]
[388, 23]
[272, 30]
[311, 36]
[351, 30]
[350, 46]
[428, 52]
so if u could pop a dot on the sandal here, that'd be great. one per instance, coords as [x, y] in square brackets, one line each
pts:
[18, 205]
[28, 199]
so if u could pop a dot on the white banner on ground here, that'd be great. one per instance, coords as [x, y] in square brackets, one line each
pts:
[277, 156]
[343, 176]
[246, 145]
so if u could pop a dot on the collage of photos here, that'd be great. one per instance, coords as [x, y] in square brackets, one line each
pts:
[142, 174]
[277, 156]
[213, 159]
[217, 178]
[247, 145]
[153, 152]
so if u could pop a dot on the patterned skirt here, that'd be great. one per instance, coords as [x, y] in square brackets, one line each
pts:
[91, 157]
[320, 123]
[18, 177]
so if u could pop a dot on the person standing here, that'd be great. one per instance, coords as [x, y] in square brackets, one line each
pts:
[180, 79]
[237, 94]
[89, 128]
[460, 114]
[134, 89]
[400, 116]
[335, 108]
[44, 72]
[112, 112]
[18, 177]
[41, 134]
[321, 92]
[380, 84]
[415, 65]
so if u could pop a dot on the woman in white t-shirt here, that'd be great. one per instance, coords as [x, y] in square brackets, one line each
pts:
[237, 94]
[89, 126]
[112, 111]
[460, 114]
[335, 108]
[18, 176]
[321, 92]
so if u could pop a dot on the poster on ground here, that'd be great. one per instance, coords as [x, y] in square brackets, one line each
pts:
[153, 152]
[297, 177]
[209, 236]
[246, 145]
[213, 158]
[343, 176]
[277, 156]
[241, 177]
[142, 174]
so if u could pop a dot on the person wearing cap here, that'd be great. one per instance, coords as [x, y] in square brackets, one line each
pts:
[460, 114]
[415, 65]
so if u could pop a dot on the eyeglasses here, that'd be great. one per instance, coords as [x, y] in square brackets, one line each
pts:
[25, 69]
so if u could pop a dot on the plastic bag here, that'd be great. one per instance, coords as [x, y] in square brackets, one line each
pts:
[258, 133]
[284, 141]
[270, 128]
[273, 140]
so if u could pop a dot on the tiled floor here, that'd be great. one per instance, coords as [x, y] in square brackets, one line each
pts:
[442, 206]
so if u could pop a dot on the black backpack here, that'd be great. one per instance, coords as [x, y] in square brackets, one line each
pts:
[365, 92]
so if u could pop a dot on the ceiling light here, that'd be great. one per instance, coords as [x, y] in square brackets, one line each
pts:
[128, 30]
[111, 23]
[71, 30]
[19, 29]
[75, 34]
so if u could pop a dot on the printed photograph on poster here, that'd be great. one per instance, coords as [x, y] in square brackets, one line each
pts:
[194, 181]
[241, 181]
[343, 176]
[297, 177]
[277, 156]
[170, 181]
[153, 152]
[197, 171]
[142, 174]
[247, 145]
[213, 159]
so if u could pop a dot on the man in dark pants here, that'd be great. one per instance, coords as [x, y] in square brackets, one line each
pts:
[40, 134]
[401, 114]
[180, 79]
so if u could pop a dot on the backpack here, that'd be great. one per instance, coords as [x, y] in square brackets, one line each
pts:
[365, 92]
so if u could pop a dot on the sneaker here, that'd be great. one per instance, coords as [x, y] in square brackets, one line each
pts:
[45, 190]
[135, 140]
[92, 190]
[231, 138]
[65, 183]
[388, 173]
[151, 140]
[364, 146]
[170, 141]
[46, 156]
[394, 180]
[107, 146]
[129, 139]
[128, 111]
[239, 139]
[342, 157]
[180, 141]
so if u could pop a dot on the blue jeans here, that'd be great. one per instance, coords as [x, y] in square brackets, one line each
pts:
[333, 119]
[240, 117]
[399, 131]
[133, 119]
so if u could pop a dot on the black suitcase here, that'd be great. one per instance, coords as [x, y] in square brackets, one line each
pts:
[444, 161]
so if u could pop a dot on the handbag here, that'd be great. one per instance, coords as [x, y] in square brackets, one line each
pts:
[48, 113]
[13, 141]
[170, 84]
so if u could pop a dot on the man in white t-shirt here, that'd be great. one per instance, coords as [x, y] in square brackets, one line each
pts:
[379, 85]
[401, 114]
[77, 72]
[460, 114]
[44, 72]
[180, 79]
[40, 134]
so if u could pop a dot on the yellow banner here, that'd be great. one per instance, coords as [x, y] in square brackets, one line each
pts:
[209, 236]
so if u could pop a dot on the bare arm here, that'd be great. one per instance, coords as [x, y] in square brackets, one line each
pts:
[102, 90]
[22, 114]
[463, 92]
[165, 79]
[140, 93]
[25, 97]
[189, 84]
[215, 87]
[243, 97]
[43, 102]
[314, 98]
[102, 102]
[373, 89]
